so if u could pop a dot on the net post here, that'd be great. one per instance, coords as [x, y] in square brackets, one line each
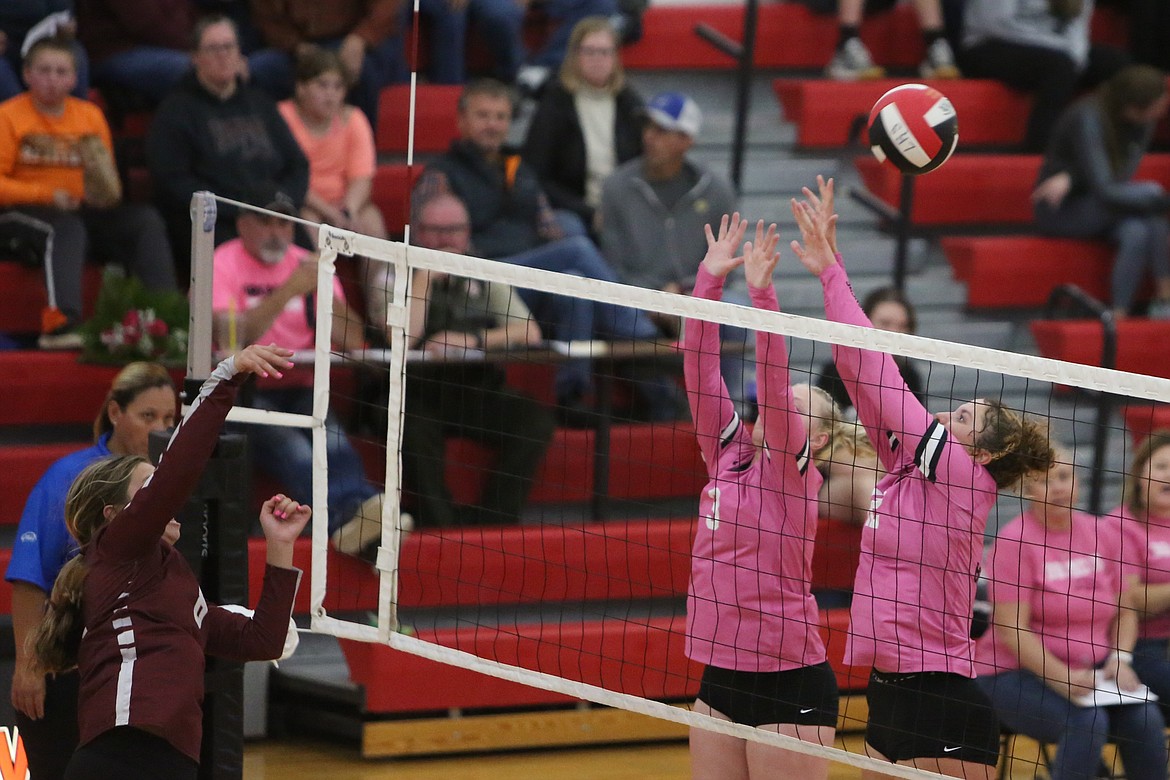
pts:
[199, 336]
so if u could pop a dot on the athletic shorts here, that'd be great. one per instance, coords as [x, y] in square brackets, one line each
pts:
[806, 696]
[930, 715]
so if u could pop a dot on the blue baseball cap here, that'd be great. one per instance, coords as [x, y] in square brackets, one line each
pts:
[675, 111]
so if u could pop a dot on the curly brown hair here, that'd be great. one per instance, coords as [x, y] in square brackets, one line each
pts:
[1018, 446]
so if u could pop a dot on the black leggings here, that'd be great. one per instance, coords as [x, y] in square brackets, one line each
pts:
[127, 753]
[50, 741]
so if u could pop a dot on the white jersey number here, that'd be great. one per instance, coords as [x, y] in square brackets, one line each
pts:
[200, 609]
[713, 518]
[875, 503]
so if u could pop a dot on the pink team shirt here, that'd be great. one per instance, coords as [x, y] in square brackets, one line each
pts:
[748, 604]
[1147, 551]
[344, 153]
[923, 536]
[1070, 578]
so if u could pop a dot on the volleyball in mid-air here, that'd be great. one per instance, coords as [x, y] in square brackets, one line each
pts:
[914, 127]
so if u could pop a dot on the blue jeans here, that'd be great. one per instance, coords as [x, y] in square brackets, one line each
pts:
[566, 13]
[286, 454]
[1028, 706]
[1152, 664]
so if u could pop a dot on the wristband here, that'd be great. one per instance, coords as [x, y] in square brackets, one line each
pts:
[1124, 656]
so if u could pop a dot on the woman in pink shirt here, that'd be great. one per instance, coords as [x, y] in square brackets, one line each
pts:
[910, 618]
[1147, 534]
[750, 616]
[1058, 624]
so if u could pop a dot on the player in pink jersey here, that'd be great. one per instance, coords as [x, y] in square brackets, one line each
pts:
[1147, 532]
[750, 616]
[128, 612]
[920, 547]
[1057, 579]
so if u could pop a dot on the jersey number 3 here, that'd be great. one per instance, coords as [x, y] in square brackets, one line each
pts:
[713, 518]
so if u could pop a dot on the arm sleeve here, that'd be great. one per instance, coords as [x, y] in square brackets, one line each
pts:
[716, 422]
[544, 134]
[138, 528]
[1006, 572]
[293, 178]
[13, 191]
[274, 24]
[362, 157]
[42, 543]
[897, 423]
[784, 430]
[380, 23]
[170, 156]
[262, 636]
[1093, 160]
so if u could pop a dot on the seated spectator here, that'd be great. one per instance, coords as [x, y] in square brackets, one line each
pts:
[589, 122]
[888, 309]
[1146, 523]
[1062, 627]
[653, 212]
[1039, 46]
[57, 166]
[141, 400]
[1086, 186]
[142, 47]
[362, 32]
[852, 60]
[260, 294]
[217, 133]
[467, 399]
[511, 221]
[46, 19]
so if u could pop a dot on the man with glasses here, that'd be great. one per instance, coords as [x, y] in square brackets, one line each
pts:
[217, 133]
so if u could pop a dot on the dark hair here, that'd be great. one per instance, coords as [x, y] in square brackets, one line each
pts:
[891, 295]
[211, 20]
[315, 61]
[1135, 496]
[1135, 86]
[106, 482]
[131, 382]
[57, 43]
[487, 87]
[1018, 446]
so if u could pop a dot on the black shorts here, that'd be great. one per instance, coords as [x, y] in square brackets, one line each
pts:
[806, 696]
[930, 715]
[128, 753]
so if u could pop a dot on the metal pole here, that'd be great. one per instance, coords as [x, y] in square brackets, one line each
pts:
[901, 255]
[743, 91]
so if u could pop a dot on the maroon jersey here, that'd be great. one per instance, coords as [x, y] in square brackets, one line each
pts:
[147, 625]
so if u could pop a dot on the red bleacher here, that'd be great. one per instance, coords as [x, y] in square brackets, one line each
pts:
[1021, 271]
[1142, 419]
[434, 117]
[1141, 343]
[25, 295]
[391, 194]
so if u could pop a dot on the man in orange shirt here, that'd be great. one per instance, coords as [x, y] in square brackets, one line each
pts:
[57, 166]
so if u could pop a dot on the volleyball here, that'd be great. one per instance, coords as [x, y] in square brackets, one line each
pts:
[914, 127]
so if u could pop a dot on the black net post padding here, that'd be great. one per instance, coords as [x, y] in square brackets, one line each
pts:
[215, 544]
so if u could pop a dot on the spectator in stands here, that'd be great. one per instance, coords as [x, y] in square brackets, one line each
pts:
[1086, 186]
[468, 399]
[652, 216]
[127, 611]
[852, 60]
[363, 33]
[57, 166]
[888, 309]
[217, 133]
[141, 400]
[511, 221]
[910, 618]
[261, 294]
[588, 123]
[751, 619]
[1061, 628]
[21, 24]
[1146, 514]
[142, 47]
[1040, 46]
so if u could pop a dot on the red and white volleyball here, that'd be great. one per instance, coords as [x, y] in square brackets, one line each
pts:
[914, 127]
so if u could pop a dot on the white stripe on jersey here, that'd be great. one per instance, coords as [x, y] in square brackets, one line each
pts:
[930, 450]
[126, 670]
[802, 458]
[893, 441]
[728, 432]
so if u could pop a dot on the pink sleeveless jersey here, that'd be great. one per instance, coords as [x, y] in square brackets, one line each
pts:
[923, 537]
[748, 605]
[1070, 578]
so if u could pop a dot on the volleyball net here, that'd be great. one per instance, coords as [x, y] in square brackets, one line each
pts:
[578, 588]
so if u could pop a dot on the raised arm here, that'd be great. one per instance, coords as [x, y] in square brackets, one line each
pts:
[138, 527]
[715, 419]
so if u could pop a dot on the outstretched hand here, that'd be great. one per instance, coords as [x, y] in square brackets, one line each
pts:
[721, 256]
[816, 254]
[283, 519]
[760, 257]
[263, 360]
[822, 204]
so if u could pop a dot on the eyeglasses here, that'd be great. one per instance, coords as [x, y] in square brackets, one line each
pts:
[596, 51]
[219, 48]
[443, 230]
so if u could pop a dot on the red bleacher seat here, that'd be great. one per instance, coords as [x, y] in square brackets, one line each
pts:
[835, 555]
[1142, 419]
[993, 268]
[25, 296]
[434, 117]
[824, 110]
[977, 189]
[391, 194]
[1141, 343]
[21, 465]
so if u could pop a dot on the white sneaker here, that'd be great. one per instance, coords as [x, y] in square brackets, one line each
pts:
[853, 62]
[60, 340]
[939, 62]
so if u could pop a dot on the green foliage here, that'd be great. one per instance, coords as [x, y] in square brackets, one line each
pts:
[132, 323]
